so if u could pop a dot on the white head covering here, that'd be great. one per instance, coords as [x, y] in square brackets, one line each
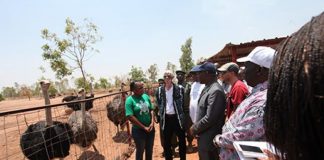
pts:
[261, 56]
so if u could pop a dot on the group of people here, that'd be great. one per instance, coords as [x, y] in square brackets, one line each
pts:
[216, 106]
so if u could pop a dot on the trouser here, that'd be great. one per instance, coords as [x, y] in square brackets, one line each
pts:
[210, 153]
[174, 141]
[144, 142]
[172, 126]
[189, 124]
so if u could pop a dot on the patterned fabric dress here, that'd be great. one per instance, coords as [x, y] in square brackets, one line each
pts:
[245, 124]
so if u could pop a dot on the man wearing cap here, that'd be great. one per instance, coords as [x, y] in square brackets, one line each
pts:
[246, 123]
[238, 90]
[185, 89]
[195, 92]
[156, 109]
[210, 114]
[172, 118]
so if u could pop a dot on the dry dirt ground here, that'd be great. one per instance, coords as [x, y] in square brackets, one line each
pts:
[109, 144]
[157, 149]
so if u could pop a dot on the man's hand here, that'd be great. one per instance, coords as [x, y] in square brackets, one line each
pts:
[271, 156]
[191, 131]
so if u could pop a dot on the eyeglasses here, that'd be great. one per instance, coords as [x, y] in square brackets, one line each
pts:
[166, 77]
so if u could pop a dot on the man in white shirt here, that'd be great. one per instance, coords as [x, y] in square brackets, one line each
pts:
[195, 92]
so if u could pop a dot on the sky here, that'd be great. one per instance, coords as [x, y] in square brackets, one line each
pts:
[140, 32]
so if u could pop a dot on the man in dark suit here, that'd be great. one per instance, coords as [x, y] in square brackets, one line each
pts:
[210, 114]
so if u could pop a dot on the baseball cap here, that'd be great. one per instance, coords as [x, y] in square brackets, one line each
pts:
[261, 56]
[180, 72]
[195, 68]
[231, 66]
[208, 66]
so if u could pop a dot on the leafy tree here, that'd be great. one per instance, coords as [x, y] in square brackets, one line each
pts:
[152, 72]
[80, 83]
[201, 60]
[52, 90]
[25, 91]
[1, 97]
[186, 62]
[9, 92]
[17, 87]
[76, 48]
[36, 89]
[62, 85]
[96, 85]
[103, 83]
[118, 81]
[137, 74]
[42, 69]
[171, 67]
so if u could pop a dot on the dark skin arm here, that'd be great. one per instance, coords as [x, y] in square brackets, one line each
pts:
[135, 121]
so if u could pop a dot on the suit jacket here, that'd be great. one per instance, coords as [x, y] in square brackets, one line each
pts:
[210, 115]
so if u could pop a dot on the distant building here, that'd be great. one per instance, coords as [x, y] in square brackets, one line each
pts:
[231, 52]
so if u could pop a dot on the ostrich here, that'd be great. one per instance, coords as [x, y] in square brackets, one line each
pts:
[77, 106]
[84, 128]
[69, 98]
[46, 139]
[46, 142]
[116, 112]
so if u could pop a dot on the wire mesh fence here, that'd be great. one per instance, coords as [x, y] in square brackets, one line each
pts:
[24, 133]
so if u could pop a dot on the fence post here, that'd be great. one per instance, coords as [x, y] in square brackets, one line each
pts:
[83, 95]
[127, 122]
[45, 85]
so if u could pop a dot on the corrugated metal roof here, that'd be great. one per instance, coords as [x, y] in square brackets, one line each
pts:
[231, 52]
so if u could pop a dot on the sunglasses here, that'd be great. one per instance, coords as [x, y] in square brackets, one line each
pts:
[166, 77]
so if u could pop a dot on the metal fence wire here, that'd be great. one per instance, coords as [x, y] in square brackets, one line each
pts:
[25, 134]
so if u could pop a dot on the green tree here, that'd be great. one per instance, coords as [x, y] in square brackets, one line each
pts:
[80, 83]
[186, 62]
[52, 90]
[171, 67]
[17, 87]
[103, 83]
[152, 72]
[118, 81]
[137, 74]
[36, 90]
[201, 60]
[76, 48]
[96, 85]
[25, 91]
[1, 97]
[9, 92]
[62, 85]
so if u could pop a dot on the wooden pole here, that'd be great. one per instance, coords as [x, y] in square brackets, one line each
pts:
[83, 95]
[127, 123]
